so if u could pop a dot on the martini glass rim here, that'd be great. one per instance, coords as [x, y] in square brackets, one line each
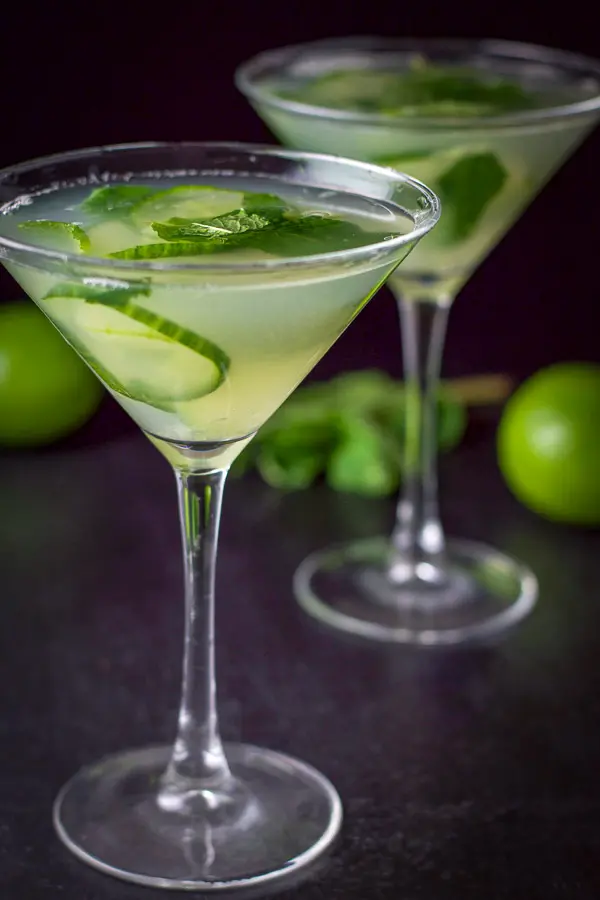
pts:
[376, 252]
[249, 74]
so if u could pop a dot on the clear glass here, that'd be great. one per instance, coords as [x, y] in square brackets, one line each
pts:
[418, 587]
[201, 815]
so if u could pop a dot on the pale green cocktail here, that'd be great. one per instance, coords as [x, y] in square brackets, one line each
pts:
[483, 132]
[486, 124]
[201, 282]
[202, 366]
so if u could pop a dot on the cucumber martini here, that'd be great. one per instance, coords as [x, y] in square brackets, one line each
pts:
[203, 365]
[486, 124]
[201, 282]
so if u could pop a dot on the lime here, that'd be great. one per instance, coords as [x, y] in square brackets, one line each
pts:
[548, 443]
[46, 391]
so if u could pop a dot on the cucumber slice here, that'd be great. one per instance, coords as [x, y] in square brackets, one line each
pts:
[186, 202]
[165, 250]
[137, 352]
[150, 366]
[114, 235]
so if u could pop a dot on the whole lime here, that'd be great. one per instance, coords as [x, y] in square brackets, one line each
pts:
[46, 391]
[548, 443]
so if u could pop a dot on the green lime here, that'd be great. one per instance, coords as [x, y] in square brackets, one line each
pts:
[46, 391]
[548, 443]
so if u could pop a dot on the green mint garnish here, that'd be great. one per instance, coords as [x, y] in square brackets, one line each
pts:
[351, 430]
[366, 461]
[310, 234]
[220, 227]
[116, 199]
[467, 188]
[466, 184]
[295, 455]
[58, 232]
[300, 236]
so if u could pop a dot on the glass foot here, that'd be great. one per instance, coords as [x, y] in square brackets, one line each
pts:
[475, 595]
[283, 816]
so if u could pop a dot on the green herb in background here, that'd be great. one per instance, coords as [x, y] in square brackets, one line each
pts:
[351, 431]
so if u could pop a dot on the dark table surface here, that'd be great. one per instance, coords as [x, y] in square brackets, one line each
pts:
[464, 774]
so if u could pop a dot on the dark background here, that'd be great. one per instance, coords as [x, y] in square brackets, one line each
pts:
[86, 74]
[463, 776]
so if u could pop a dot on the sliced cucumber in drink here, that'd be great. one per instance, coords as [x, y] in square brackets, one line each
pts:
[150, 367]
[137, 352]
[186, 202]
[114, 235]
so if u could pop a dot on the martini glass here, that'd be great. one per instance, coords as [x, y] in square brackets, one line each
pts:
[200, 350]
[416, 586]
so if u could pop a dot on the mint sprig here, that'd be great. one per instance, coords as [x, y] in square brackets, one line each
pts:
[220, 228]
[349, 430]
[267, 230]
[468, 187]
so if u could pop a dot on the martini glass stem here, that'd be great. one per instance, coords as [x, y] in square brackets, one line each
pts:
[198, 762]
[418, 537]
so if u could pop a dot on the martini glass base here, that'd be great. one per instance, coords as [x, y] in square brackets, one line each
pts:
[284, 816]
[476, 594]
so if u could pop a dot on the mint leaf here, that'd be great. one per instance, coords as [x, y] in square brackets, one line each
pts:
[262, 211]
[466, 184]
[467, 188]
[292, 448]
[310, 234]
[351, 428]
[302, 236]
[58, 233]
[288, 468]
[220, 227]
[116, 199]
[365, 462]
